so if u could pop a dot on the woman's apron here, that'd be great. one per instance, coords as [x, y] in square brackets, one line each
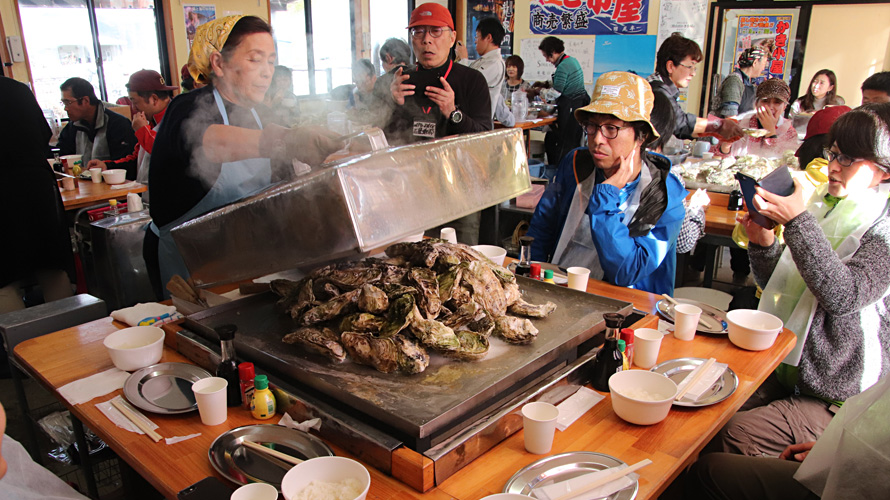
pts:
[236, 180]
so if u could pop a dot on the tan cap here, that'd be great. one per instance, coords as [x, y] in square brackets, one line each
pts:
[623, 95]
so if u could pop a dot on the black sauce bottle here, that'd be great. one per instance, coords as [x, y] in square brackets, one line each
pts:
[228, 366]
[609, 360]
[524, 267]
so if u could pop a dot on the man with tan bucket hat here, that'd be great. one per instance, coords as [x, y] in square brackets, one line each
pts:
[613, 207]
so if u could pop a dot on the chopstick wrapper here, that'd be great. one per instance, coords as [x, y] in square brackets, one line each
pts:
[576, 405]
[556, 490]
[120, 420]
[147, 314]
[100, 384]
[714, 372]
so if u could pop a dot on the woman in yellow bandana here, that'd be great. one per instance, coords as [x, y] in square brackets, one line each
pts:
[212, 148]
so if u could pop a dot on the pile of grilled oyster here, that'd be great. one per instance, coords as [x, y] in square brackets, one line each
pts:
[426, 295]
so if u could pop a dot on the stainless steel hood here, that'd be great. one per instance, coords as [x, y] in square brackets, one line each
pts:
[356, 205]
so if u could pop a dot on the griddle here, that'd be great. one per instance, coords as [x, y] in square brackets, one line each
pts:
[425, 408]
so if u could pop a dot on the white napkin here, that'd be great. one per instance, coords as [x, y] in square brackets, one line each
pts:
[100, 384]
[287, 421]
[151, 313]
[120, 420]
[576, 405]
[714, 372]
[126, 185]
[557, 490]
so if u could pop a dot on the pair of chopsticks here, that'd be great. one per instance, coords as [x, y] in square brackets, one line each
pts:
[695, 378]
[132, 417]
[606, 478]
[270, 452]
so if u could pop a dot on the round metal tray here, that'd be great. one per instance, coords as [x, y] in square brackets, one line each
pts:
[678, 369]
[164, 388]
[711, 316]
[242, 465]
[563, 467]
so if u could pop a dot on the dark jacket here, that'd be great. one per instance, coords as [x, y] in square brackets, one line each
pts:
[685, 122]
[118, 133]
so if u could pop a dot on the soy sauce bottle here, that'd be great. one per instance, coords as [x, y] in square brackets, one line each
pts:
[524, 267]
[228, 366]
[609, 360]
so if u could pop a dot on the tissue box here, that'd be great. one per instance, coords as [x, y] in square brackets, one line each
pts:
[531, 198]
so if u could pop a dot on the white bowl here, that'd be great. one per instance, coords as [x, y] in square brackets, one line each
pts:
[753, 330]
[255, 491]
[135, 347]
[114, 176]
[630, 407]
[494, 254]
[507, 496]
[326, 469]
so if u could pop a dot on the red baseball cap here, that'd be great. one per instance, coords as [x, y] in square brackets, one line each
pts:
[146, 80]
[431, 14]
[821, 122]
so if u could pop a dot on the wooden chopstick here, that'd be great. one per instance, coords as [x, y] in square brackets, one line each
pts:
[273, 453]
[121, 407]
[698, 375]
[606, 478]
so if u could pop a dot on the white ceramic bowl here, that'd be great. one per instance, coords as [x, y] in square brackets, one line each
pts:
[114, 176]
[327, 469]
[495, 254]
[753, 330]
[255, 491]
[507, 496]
[630, 407]
[135, 347]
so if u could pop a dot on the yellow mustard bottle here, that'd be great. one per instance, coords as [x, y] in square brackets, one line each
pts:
[262, 406]
[548, 276]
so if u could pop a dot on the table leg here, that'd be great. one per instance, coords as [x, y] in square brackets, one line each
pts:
[84, 452]
[710, 257]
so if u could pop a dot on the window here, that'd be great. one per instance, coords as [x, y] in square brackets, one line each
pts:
[62, 44]
[389, 19]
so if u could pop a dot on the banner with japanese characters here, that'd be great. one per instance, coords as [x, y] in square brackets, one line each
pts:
[589, 17]
[771, 33]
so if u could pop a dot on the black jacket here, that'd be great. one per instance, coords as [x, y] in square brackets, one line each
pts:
[118, 132]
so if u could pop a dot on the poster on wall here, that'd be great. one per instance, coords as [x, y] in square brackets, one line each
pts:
[478, 10]
[196, 15]
[772, 33]
[686, 17]
[593, 17]
[634, 54]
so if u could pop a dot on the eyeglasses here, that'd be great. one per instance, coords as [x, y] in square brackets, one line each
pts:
[68, 102]
[690, 68]
[841, 158]
[608, 131]
[434, 31]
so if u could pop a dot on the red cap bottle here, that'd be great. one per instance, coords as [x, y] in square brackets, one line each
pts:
[627, 335]
[246, 374]
[536, 272]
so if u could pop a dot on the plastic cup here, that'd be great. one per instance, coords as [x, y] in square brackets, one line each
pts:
[210, 393]
[68, 183]
[96, 175]
[448, 234]
[255, 491]
[578, 277]
[539, 422]
[647, 343]
[686, 321]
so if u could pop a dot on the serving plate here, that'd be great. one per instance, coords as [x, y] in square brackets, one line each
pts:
[164, 388]
[713, 320]
[563, 467]
[678, 369]
[242, 465]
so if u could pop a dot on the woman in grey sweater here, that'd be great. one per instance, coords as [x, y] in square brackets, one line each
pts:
[829, 283]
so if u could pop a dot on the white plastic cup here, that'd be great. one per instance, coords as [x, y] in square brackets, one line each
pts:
[68, 183]
[255, 491]
[539, 422]
[578, 278]
[647, 343]
[686, 321]
[448, 234]
[96, 175]
[210, 393]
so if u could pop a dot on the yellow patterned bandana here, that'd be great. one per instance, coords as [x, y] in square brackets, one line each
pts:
[623, 95]
[209, 38]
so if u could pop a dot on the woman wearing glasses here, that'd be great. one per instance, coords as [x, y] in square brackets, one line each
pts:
[830, 284]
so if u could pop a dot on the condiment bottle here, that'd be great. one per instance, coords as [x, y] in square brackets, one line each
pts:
[57, 162]
[246, 375]
[735, 200]
[613, 324]
[536, 272]
[228, 366]
[262, 406]
[112, 209]
[548, 276]
[524, 267]
[622, 346]
[607, 362]
[627, 335]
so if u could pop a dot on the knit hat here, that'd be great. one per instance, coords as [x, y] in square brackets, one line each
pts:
[431, 14]
[821, 122]
[623, 95]
[146, 80]
[774, 88]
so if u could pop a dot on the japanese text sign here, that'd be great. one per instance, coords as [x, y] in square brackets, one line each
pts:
[589, 17]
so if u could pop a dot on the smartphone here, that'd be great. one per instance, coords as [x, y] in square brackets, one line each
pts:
[209, 488]
[778, 181]
[421, 80]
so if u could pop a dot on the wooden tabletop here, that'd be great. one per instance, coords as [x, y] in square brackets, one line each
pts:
[529, 124]
[719, 220]
[90, 193]
[59, 358]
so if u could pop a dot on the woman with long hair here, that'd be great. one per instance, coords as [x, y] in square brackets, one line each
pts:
[821, 92]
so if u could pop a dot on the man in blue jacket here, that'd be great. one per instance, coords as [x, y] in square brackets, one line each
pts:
[613, 207]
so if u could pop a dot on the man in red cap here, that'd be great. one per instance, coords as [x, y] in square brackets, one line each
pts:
[150, 94]
[817, 136]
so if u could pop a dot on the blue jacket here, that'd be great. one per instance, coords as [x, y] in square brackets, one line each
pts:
[646, 262]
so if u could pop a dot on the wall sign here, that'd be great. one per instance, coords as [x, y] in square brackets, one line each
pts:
[589, 17]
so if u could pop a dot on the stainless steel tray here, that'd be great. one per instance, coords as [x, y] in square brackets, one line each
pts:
[242, 465]
[678, 369]
[711, 316]
[564, 467]
[164, 388]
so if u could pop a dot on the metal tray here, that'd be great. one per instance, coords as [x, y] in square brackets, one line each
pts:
[242, 465]
[564, 467]
[678, 369]
[715, 318]
[164, 388]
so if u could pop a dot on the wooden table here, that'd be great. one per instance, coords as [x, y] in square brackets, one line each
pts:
[68, 355]
[526, 127]
[90, 193]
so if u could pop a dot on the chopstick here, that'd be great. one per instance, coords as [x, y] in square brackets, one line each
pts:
[606, 478]
[121, 407]
[698, 375]
[269, 451]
